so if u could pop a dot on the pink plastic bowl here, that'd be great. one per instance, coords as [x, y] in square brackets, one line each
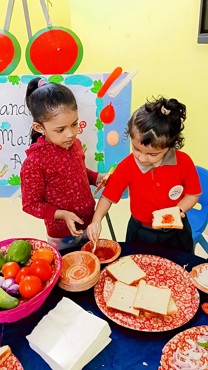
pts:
[26, 307]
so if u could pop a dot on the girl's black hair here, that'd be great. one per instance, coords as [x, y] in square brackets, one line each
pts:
[159, 123]
[43, 101]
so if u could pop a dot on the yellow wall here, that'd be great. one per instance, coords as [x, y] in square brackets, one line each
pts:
[157, 37]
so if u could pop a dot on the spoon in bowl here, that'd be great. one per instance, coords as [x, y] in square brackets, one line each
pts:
[94, 245]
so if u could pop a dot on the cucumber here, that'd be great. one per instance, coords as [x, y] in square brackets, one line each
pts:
[7, 301]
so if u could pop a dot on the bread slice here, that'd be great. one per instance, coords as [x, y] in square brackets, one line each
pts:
[168, 218]
[122, 298]
[5, 352]
[126, 270]
[152, 298]
[172, 310]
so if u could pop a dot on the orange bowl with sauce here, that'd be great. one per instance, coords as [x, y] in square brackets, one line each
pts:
[80, 271]
[106, 251]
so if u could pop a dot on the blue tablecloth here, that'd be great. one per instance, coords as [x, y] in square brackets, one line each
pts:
[129, 349]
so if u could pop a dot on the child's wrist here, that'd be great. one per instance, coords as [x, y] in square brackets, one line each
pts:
[97, 221]
[60, 214]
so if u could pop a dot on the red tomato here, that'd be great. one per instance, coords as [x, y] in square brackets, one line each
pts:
[43, 254]
[42, 269]
[10, 269]
[29, 286]
[24, 271]
[204, 307]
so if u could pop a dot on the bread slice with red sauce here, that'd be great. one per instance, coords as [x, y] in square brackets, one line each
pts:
[167, 218]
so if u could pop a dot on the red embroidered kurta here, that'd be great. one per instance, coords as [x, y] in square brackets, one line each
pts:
[55, 178]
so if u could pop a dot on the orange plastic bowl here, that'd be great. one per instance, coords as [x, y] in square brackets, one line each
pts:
[107, 251]
[80, 271]
[28, 306]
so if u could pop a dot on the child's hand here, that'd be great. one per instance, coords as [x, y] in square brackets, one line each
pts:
[93, 231]
[70, 219]
[182, 214]
[101, 181]
[100, 178]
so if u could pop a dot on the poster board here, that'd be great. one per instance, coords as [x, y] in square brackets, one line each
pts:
[15, 124]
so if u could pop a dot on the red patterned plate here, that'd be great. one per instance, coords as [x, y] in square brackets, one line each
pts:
[179, 341]
[11, 363]
[196, 275]
[160, 272]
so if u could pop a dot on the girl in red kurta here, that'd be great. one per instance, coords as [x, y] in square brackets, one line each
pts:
[157, 174]
[55, 183]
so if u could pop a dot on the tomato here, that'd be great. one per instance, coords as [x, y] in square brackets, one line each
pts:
[29, 286]
[204, 307]
[10, 269]
[24, 271]
[42, 269]
[43, 254]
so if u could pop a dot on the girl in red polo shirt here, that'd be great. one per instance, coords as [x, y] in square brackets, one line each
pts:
[157, 174]
[55, 182]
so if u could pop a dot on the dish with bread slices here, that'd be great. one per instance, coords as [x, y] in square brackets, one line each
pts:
[147, 293]
[7, 360]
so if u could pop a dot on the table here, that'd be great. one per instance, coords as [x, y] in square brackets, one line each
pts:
[128, 349]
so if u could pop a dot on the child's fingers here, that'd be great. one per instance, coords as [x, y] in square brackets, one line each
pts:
[73, 229]
[75, 232]
[96, 232]
[78, 220]
[72, 218]
[89, 234]
[101, 178]
[93, 232]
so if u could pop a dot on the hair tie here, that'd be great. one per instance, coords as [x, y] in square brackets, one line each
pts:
[41, 82]
[165, 111]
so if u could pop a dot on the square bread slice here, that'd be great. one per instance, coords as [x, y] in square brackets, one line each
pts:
[172, 310]
[168, 218]
[122, 298]
[126, 270]
[152, 298]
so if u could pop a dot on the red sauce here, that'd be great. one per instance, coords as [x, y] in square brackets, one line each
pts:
[167, 219]
[104, 253]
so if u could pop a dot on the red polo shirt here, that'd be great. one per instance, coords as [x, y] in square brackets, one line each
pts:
[158, 188]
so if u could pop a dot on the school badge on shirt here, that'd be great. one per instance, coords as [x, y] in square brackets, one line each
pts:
[175, 192]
